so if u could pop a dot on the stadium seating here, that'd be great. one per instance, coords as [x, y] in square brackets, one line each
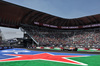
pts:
[89, 38]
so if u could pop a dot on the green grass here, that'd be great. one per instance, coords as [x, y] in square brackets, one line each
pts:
[91, 61]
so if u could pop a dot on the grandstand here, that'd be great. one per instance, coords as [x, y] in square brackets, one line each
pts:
[44, 36]
[48, 30]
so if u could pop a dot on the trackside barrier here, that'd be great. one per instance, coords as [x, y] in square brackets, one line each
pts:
[39, 47]
[98, 49]
[30, 47]
[48, 47]
[80, 48]
[93, 49]
[0, 48]
[5, 47]
[52, 48]
[61, 48]
[58, 48]
[87, 49]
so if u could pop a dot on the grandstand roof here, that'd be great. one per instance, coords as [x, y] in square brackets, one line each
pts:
[13, 16]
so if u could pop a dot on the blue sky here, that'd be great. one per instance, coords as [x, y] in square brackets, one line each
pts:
[62, 8]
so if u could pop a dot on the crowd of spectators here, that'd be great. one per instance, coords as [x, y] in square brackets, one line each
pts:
[55, 37]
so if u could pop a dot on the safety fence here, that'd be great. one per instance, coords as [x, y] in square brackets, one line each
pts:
[5, 47]
[62, 48]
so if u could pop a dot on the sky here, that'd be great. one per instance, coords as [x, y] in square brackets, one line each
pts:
[62, 8]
